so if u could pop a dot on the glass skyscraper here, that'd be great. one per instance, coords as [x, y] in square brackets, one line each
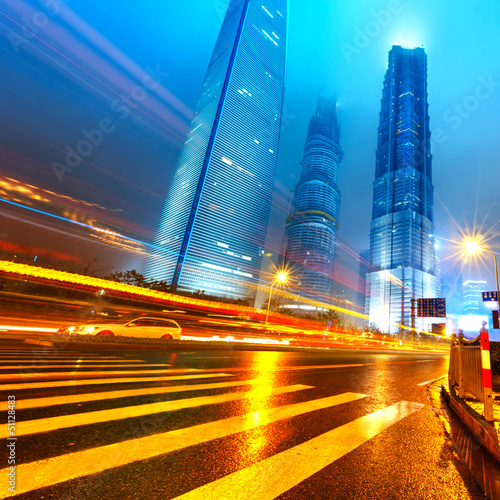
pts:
[213, 227]
[402, 228]
[311, 229]
[472, 297]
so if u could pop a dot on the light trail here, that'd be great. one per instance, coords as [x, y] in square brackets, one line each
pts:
[28, 329]
[81, 68]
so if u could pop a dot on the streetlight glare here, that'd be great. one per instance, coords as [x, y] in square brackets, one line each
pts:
[282, 277]
[472, 246]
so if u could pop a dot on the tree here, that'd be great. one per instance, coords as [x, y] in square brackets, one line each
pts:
[129, 277]
[329, 315]
[373, 328]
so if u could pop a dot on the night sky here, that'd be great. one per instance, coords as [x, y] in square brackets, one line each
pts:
[133, 70]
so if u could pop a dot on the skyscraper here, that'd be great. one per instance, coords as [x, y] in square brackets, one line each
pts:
[213, 227]
[363, 300]
[472, 297]
[311, 230]
[402, 228]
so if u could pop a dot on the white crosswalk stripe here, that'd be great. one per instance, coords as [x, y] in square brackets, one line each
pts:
[264, 479]
[112, 380]
[63, 422]
[52, 366]
[273, 476]
[63, 468]
[50, 354]
[34, 375]
[101, 396]
[65, 360]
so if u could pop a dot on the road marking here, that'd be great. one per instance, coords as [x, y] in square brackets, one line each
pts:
[433, 380]
[55, 353]
[291, 368]
[50, 352]
[313, 367]
[65, 360]
[24, 428]
[212, 357]
[72, 383]
[51, 357]
[44, 473]
[38, 351]
[318, 367]
[43, 350]
[56, 356]
[273, 476]
[90, 374]
[49, 365]
[124, 393]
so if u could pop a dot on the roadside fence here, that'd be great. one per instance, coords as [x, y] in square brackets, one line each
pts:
[470, 369]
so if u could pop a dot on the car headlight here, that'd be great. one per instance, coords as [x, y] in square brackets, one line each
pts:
[88, 329]
[66, 329]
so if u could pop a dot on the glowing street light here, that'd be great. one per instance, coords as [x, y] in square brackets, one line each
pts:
[473, 247]
[281, 278]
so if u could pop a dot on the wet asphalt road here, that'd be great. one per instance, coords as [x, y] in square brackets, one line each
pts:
[227, 424]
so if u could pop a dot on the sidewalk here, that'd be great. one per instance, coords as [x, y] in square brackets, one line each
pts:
[471, 411]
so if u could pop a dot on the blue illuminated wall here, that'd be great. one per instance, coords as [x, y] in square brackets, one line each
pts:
[213, 227]
[311, 230]
[402, 227]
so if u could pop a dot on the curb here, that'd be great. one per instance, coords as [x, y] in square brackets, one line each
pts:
[484, 431]
[39, 342]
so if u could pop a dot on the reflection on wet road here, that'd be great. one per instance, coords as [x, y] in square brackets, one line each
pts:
[239, 425]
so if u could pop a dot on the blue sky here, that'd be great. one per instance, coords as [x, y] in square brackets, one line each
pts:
[51, 91]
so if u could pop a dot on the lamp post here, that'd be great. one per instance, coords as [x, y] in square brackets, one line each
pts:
[473, 247]
[281, 279]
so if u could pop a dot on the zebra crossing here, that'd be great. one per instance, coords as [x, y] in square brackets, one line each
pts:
[84, 392]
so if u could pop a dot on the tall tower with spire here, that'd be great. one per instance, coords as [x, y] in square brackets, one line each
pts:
[213, 228]
[311, 229]
[402, 244]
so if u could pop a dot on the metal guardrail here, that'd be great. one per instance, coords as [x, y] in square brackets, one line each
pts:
[470, 371]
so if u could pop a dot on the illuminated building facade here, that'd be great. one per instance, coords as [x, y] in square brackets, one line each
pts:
[402, 228]
[473, 298]
[311, 229]
[363, 300]
[213, 227]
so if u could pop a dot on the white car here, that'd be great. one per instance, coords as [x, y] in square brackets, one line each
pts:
[139, 327]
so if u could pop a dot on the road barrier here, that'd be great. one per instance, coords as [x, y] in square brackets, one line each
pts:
[470, 369]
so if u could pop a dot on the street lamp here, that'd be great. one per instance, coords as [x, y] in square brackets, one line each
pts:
[280, 278]
[473, 247]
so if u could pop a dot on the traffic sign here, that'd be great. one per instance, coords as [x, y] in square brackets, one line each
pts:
[496, 324]
[431, 308]
[490, 296]
[439, 328]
